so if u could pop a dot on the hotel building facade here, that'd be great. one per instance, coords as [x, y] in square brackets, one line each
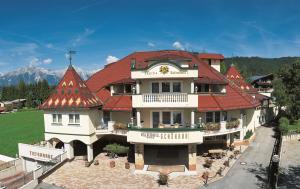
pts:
[165, 104]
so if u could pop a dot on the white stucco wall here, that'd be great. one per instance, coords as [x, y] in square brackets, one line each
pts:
[85, 131]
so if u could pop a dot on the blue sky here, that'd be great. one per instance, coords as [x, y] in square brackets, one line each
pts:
[40, 32]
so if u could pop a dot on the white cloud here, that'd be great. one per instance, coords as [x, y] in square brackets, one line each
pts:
[150, 44]
[34, 62]
[47, 61]
[111, 59]
[82, 36]
[178, 45]
[49, 45]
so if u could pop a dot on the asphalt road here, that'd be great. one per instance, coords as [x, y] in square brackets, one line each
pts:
[253, 175]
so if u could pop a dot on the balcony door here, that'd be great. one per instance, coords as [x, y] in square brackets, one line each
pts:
[155, 119]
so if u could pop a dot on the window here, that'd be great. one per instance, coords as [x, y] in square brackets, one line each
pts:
[206, 88]
[176, 87]
[166, 117]
[214, 117]
[224, 116]
[209, 62]
[128, 89]
[74, 119]
[119, 89]
[217, 117]
[209, 117]
[165, 87]
[106, 117]
[155, 87]
[57, 118]
[177, 118]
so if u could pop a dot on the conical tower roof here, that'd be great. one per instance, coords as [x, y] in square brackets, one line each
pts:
[234, 75]
[71, 92]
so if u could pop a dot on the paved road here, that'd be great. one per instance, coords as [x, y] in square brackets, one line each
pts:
[253, 175]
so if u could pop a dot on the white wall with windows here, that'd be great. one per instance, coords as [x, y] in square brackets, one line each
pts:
[165, 86]
[72, 122]
[153, 117]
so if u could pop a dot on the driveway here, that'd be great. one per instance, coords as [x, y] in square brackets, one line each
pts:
[254, 173]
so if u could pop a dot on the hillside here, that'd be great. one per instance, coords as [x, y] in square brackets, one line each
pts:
[250, 66]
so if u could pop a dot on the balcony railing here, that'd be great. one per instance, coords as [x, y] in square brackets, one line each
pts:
[165, 97]
[165, 129]
[222, 127]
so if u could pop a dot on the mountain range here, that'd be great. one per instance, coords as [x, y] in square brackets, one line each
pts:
[32, 74]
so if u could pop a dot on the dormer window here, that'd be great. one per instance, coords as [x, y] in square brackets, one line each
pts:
[123, 89]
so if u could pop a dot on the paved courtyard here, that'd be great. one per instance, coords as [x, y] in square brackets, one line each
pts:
[253, 174]
[290, 165]
[75, 175]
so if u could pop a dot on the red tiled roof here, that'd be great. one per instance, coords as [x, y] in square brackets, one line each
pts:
[118, 103]
[120, 71]
[211, 56]
[71, 92]
[233, 99]
[234, 75]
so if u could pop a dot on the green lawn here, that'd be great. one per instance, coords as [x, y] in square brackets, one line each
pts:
[23, 126]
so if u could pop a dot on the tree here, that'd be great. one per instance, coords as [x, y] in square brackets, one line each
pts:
[223, 68]
[287, 90]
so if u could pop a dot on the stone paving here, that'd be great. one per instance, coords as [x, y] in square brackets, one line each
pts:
[75, 175]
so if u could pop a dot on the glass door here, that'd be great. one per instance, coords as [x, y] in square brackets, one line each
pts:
[155, 119]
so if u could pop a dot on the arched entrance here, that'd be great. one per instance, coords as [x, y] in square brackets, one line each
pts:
[80, 149]
[56, 143]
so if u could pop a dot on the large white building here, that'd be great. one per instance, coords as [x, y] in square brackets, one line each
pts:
[165, 104]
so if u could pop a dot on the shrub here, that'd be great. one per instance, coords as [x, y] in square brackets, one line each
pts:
[284, 125]
[233, 123]
[212, 126]
[163, 179]
[226, 163]
[220, 171]
[208, 163]
[113, 149]
[120, 126]
[249, 133]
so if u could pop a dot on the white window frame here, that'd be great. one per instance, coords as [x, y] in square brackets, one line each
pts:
[214, 116]
[166, 81]
[74, 119]
[56, 121]
[161, 118]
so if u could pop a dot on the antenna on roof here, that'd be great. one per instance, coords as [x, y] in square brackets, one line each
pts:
[70, 53]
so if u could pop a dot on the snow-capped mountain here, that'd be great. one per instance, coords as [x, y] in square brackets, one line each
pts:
[32, 74]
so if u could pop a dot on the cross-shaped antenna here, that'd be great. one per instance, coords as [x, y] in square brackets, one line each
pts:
[70, 53]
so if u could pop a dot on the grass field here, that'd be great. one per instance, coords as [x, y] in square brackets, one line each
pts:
[23, 126]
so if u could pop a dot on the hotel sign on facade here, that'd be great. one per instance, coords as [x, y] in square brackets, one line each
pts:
[165, 137]
[38, 153]
[164, 71]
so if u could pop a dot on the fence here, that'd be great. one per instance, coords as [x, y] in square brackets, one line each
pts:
[273, 170]
[22, 180]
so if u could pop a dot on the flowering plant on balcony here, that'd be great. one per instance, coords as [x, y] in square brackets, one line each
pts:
[233, 123]
[120, 126]
[212, 126]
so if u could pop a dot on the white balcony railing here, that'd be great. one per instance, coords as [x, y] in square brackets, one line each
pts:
[155, 100]
[165, 97]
